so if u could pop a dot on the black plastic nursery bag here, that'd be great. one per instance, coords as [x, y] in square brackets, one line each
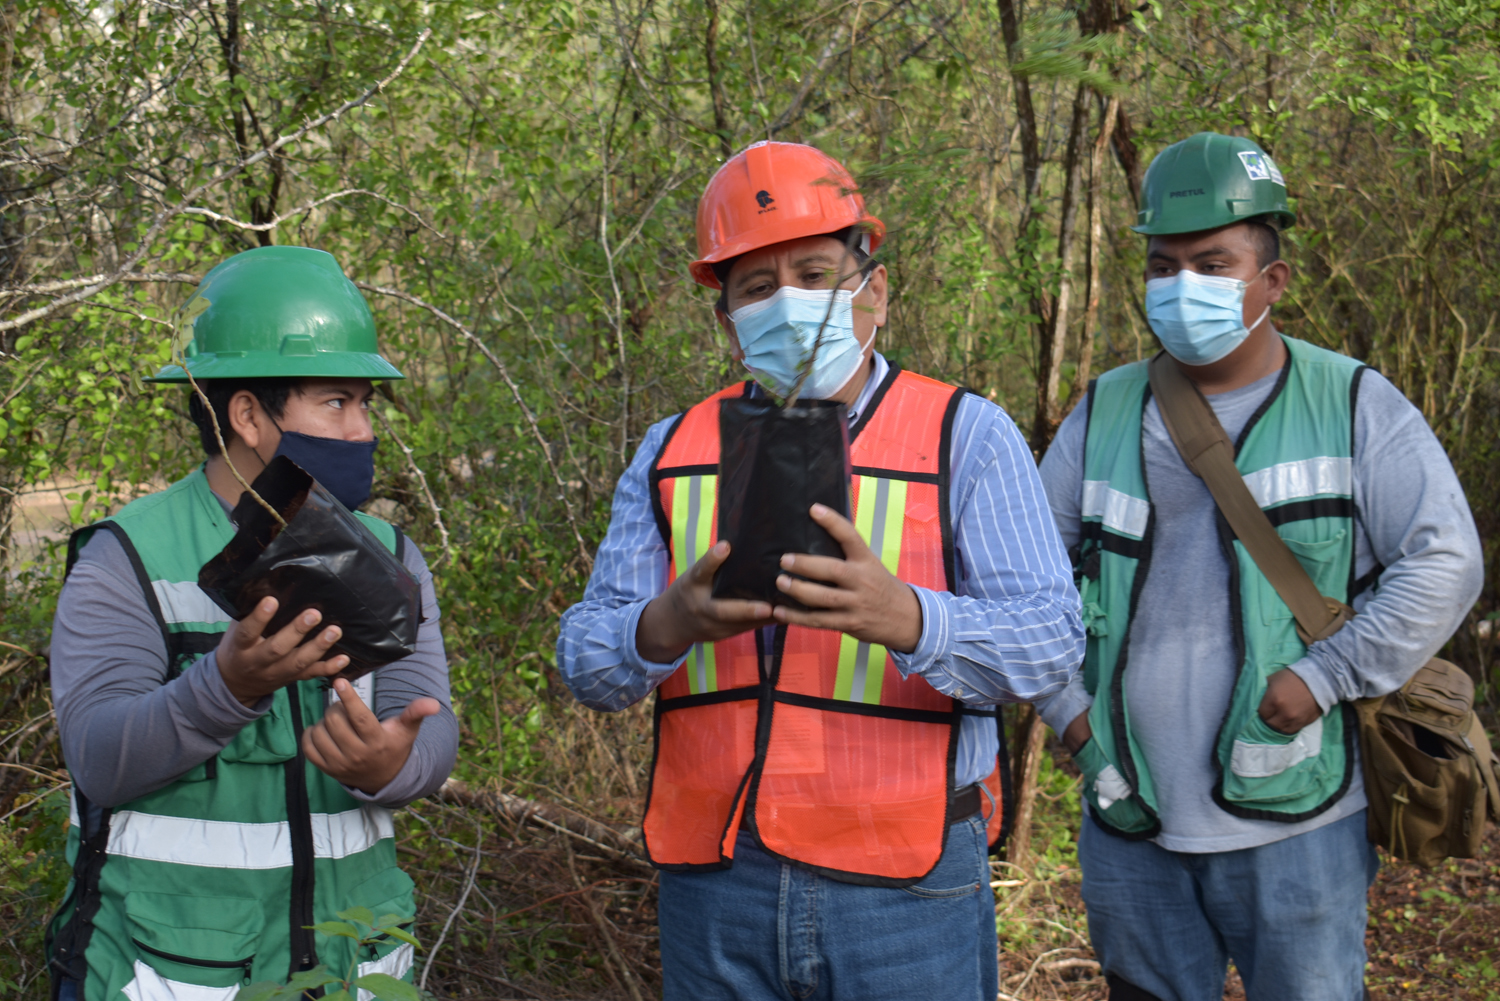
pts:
[325, 559]
[774, 464]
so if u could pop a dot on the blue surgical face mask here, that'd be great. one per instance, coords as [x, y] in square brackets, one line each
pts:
[345, 468]
[778, 334]
[1200, 319]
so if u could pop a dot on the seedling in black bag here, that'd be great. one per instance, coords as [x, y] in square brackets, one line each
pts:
[296, 543]
[775, 463]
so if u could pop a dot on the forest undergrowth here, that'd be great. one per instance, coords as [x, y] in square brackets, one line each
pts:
[536, 888]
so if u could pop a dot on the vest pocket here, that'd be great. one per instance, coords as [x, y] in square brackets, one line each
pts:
[389, 891]
[1322, 559]
[1109, 795]
[1268, 766]
[385, 893]
[270, 740]
[204, 941]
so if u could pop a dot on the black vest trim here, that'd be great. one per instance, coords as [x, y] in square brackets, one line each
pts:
[1306, 510]
[66, 950]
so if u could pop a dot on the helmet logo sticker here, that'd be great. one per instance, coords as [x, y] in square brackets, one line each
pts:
[764, 199]
[1261, 167]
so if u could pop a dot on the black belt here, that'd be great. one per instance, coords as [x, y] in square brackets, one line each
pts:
[964, 803]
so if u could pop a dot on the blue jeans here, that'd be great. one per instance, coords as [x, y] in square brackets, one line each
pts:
[1290, 914]
[767, 931]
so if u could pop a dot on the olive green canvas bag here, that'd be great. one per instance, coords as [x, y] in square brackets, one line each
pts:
[1430, 774]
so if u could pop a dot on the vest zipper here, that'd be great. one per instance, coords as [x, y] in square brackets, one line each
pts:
[299, 816]
[211, 964]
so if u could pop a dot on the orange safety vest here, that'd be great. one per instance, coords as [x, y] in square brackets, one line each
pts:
[842, 766]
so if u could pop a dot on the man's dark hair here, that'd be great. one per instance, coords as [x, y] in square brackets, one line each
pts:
[722, 268]
[1267, 239]
[272, 394]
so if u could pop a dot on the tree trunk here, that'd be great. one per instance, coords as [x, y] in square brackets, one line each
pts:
[1031, 157]
[1026, 765]
[1127, 154]
[1026, 256]
[1096, 250]
[1054, 345]
[711, 57]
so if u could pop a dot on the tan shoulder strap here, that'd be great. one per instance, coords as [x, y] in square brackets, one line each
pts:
[1209, 453]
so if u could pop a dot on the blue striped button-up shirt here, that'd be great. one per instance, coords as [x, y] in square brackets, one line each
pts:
[1011, 633]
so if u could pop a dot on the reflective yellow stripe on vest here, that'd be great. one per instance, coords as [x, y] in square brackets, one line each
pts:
[693, 500]
[880, 520]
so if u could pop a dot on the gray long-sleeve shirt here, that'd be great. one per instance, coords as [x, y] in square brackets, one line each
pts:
[1412, 519]
[127, 731]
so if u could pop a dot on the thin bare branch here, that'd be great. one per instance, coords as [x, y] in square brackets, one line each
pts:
[515, 391]
[261, 227]
[416, 470]
[48, 288]
[159, 222]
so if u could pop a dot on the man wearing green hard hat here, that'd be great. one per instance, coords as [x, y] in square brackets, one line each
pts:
[226, 798]
[1226, 812]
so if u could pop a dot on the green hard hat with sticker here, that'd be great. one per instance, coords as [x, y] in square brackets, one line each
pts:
[1210, 180]
[276, 312]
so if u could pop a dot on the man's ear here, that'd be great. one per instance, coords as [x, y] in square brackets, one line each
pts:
[1278, 276]
[246, 419]
[735, 351]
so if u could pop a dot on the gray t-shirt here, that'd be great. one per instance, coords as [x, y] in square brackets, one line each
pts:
[126, 731]
[1412, 519]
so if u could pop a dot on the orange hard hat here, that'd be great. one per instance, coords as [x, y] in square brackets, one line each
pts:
[772, 192]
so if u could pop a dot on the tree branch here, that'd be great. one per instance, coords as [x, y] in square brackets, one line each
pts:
[162, 217]
[809, 81]
[515, 392]
[48, 288]
[277, 220]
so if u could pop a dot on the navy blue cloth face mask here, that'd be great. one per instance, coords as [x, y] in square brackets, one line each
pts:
[345, 468]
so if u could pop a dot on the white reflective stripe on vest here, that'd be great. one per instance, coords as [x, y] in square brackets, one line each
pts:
[1261, 761]
[1122, 513]
[220, 844]
[184, 601]
[339, 835]
[148, 985]
[1320, 476]
[396, 963]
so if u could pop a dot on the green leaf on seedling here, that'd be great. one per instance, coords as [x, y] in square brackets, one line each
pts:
[338, 995]
[266, 990]
[387, 988]
[401, 935]
[308, 980]
[343, 929]
[360, 914]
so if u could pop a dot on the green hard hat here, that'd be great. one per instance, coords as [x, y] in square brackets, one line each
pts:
[277, 312]
[1207, 181]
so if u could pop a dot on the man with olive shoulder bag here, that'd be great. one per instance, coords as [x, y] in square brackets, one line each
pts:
[1217, 720]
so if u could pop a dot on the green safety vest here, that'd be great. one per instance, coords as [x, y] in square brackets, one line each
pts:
[1296, 456]
[209, 883]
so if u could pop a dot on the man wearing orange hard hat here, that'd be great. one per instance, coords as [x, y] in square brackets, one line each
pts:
[828, 777]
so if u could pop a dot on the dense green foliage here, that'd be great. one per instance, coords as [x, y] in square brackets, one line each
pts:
[518, 201]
